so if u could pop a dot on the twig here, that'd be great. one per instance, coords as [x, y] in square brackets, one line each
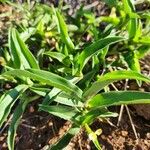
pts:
[6, 124]
[120, 115]
[122, 106]
[131, 121]
[91, 5]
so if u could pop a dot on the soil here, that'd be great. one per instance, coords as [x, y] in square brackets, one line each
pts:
[39, 129]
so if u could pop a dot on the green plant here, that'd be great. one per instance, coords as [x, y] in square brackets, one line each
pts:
[71, 85]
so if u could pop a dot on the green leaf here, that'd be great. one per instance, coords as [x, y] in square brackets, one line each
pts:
[8, 100]
[64, 112]
[14, 124]
[89, 51]
[63, 30]
[49, 79]
[53, 94]
[119, 98]
[110, 78]
[21, 55]
[142, 51]
[92, 114]
[64, 141]
[13, 50]
[92, 136]
[132, 27]
[133, 61]
[63, 99]
[133, 23]
[59, 56]
[128, 7]
[111, 2]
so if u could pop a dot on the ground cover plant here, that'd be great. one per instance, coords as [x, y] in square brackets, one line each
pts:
[64, 60]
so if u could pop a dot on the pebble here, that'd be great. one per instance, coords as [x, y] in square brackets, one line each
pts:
[148, 135]
[124, 133]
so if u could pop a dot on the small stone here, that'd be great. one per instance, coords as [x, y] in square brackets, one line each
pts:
[31, 109]
[148, 135]
[124, 133]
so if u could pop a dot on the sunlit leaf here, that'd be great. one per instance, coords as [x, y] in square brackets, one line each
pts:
[89, 51]
[110, 78]
[119, 98]
[49, 79]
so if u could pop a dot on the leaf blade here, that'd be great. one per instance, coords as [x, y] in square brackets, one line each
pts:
[112, 77]
[118, 98]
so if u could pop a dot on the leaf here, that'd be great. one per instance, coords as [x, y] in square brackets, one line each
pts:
[144, 40]
[13, 50]
[39, 90]
[64, 112]
[94, 113]
[21, 55]
[133, 61]
[64, 31]
[14, 124]
[119, 98]
[59, 56]
[89, 51]
[128, 7]
[62, 99]
[27, 33]
[64, 141]
[110, 78]
[92, 136]
[132, 27]
[111, 3]
[8, 100]
[53, 94]
[49, 79]
[142, 51]
[133, 23]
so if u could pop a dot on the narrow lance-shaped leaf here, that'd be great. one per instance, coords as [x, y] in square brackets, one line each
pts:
[48, 78]
[133, 18]
[8, 100]
[26, 52]
[119, 98]
[14, 124]
[13, 50]
[64, 112]
[128, 6]
[59, 56]
[64, 31]
[110, 78]
[22, 57]
[89, 51]
[92, 114]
